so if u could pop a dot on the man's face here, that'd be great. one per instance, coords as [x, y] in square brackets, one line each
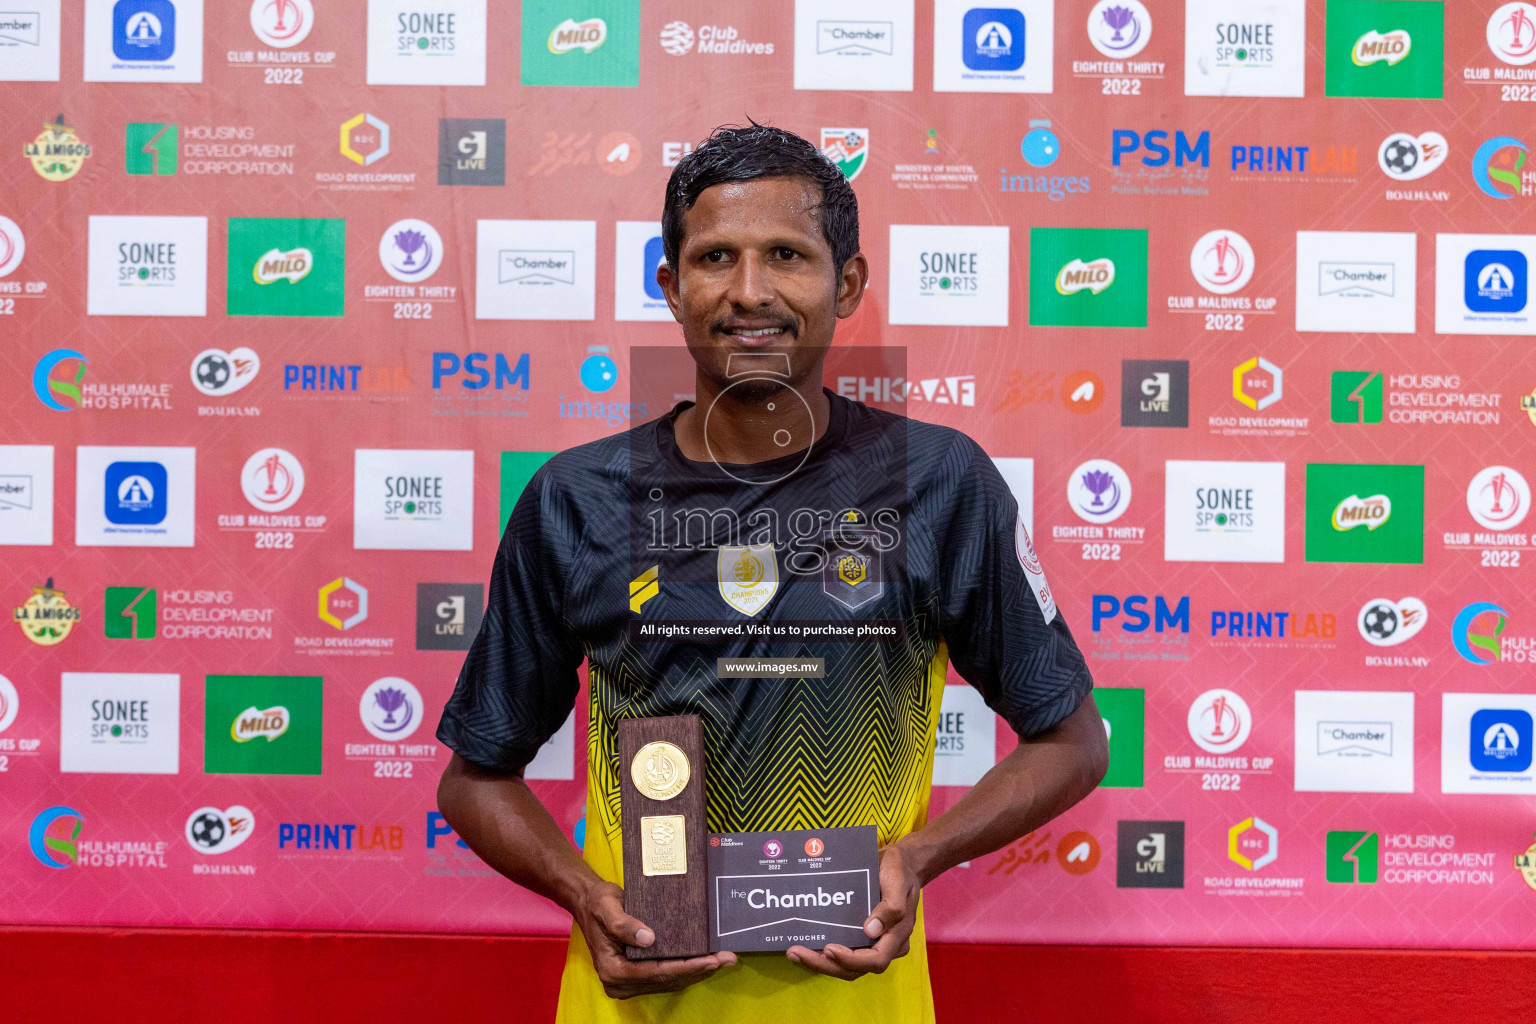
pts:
[755, 275]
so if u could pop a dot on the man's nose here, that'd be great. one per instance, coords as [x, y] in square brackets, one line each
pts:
[751, 285]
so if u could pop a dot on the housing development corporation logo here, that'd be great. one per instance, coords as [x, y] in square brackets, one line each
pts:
[1352, 858]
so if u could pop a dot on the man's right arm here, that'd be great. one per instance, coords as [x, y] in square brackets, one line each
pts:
[508, 828]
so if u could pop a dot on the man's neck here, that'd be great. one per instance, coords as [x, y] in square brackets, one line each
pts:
[745, 432]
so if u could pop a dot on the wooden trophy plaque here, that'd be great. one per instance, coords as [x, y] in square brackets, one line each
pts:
[661, 804]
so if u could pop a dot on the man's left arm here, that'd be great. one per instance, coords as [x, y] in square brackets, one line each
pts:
[1007, 638]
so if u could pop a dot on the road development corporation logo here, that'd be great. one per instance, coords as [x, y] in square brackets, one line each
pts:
[272, 480]
[1404, 157]
[1499, 498]
[391, 708]
[282, 23]
[1099, 491]
[54, 835]
[212, 830]
[1512, 34]
[1222, 262]
[343, 603]
[1477, 632]
[1253, 844]
[1119, 28]
[1498, 167]
[1219, 721]
[1258, 383]
[1384, 622]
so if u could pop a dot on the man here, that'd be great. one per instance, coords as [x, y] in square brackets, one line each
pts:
[760, 233]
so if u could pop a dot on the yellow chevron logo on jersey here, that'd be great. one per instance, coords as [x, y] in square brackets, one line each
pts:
[644, 587]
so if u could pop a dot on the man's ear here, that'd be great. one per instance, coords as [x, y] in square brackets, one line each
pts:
[851, 283]
[666, 277]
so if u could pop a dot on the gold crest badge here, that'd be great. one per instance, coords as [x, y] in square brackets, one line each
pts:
[748, 576]
[660, 770]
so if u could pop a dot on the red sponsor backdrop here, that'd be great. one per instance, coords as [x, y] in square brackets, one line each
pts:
[400, 874]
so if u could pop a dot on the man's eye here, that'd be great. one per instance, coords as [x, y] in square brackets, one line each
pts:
[717, 256]
[786, 254]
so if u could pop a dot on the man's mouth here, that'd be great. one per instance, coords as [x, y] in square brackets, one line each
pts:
[756, 335]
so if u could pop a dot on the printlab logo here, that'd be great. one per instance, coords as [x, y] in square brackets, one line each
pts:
[1499, 498]
[262, 725]
[1384, 48]
[1119, 28]
[282, 23]
[1365, 513]
[1405, 157]
[1099, 491]
[392, 708]
[1154, 393]
[1353, 858]
[1498, 167]
[411, 250]
[54, 836]
[1149, 855]
[272, 480]
[448, 615]
[472, 151]
[1387, 623]
[150, 148]
[1512, 34]
[217, 373]
[132, 613]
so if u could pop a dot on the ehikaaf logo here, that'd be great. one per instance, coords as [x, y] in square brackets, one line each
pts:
[53, 836]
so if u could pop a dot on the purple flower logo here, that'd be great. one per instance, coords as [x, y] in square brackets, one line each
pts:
[1121, 28]
[411, 250]
[1099, 491]
[773, 849]
[391, 708]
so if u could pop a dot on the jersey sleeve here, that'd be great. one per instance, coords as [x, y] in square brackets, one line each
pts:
[999, 619]
[519, 679]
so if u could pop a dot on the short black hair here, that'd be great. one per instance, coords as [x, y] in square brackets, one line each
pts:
[734, 153]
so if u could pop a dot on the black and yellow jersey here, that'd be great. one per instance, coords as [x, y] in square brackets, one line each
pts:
[886, 550]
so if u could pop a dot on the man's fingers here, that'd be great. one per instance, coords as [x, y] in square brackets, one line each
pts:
[883, 918]
[620, 926]
[820, 963]
[634, 977]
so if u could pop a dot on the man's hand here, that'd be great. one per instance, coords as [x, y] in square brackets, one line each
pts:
[890, 925]
[608, 930]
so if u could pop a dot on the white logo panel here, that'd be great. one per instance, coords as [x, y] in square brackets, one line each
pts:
[636, 254]
[147, 266]
[426, 42]
[535, 270]
[1356, 281]
[1224, 512]
[1004, 47]
[965, 742]
[135, 497]
[1245, 47]
[29, 41]
[859, 45]
[143, 41]
[120, 722]
[413, 500]
[1354, 741]
[948, 275]
[26, 494]
[1483, 284]
[1485, 743]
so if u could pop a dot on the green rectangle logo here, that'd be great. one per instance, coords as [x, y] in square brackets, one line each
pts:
[1355, 397]
[1087, 277]
[150, 148]
[1365, 513]
[1385, 48]
[262, 725]
[286, 266]
[1353, 857]
[133, 613]
[517, 468]
[1124, 711]
[602, 47]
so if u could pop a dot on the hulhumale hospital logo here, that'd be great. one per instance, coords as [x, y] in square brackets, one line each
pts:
[55, 846]
[1476, 632]
[62, 394]
[1497, 167]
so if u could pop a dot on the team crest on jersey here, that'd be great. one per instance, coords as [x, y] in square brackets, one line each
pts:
[851, 574]
[749, 577]
[1033, 572]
